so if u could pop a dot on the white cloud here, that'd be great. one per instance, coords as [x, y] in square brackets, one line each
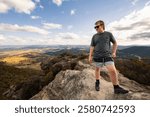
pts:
[133, 28]
[35, 17]
[42, 7]
[68, 35]
[16, 40]
[72, 12]
[26, 40]
[70, 38]
[52, 26]
[3, 7]
[134, 1]
[39, 4]
[20, 6]
[58, 2]
[52, 39]
[2, 38]
[148, 3]
[25, 28]
[37, 1]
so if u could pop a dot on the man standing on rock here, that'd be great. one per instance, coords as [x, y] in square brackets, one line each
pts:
[101, 45]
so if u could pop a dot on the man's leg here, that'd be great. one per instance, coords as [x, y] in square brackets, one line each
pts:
[97, 76]
[97, 73]
[113, 74]
[114, 78]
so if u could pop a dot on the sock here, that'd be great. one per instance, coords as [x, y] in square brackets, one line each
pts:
[97, 80]
[116, 86]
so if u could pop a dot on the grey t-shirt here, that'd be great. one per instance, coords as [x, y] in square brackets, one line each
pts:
[102, 45]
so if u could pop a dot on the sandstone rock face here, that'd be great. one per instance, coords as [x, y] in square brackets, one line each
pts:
[80, 84]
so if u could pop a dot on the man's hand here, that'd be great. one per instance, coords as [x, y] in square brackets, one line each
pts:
[114, 55]
[114, 49]
[90, 59]
[90, 54]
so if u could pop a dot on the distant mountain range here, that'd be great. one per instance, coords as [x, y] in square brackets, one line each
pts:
[142, 51]
[75, 51]
[123, 51]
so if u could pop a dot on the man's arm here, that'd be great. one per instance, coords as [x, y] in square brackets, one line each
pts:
[91, 53]
[114, 49]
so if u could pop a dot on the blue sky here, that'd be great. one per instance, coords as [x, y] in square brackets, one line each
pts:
[61, 22]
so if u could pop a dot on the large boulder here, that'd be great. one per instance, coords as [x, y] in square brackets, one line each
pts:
[73, 84]
[80, 84]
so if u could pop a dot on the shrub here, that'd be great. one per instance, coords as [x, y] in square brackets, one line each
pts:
[137, 70]
[9, 75]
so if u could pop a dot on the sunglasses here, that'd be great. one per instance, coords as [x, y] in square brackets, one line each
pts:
[96, 27]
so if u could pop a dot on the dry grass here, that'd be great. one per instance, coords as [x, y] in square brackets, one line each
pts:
[18, 52]
[14, 59]
[35, 66]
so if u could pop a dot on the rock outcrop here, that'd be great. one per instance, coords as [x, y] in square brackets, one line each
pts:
[79, 84]
[54, 65]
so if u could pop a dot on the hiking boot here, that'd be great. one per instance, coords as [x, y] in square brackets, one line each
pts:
[97, 88]
[120, 90]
